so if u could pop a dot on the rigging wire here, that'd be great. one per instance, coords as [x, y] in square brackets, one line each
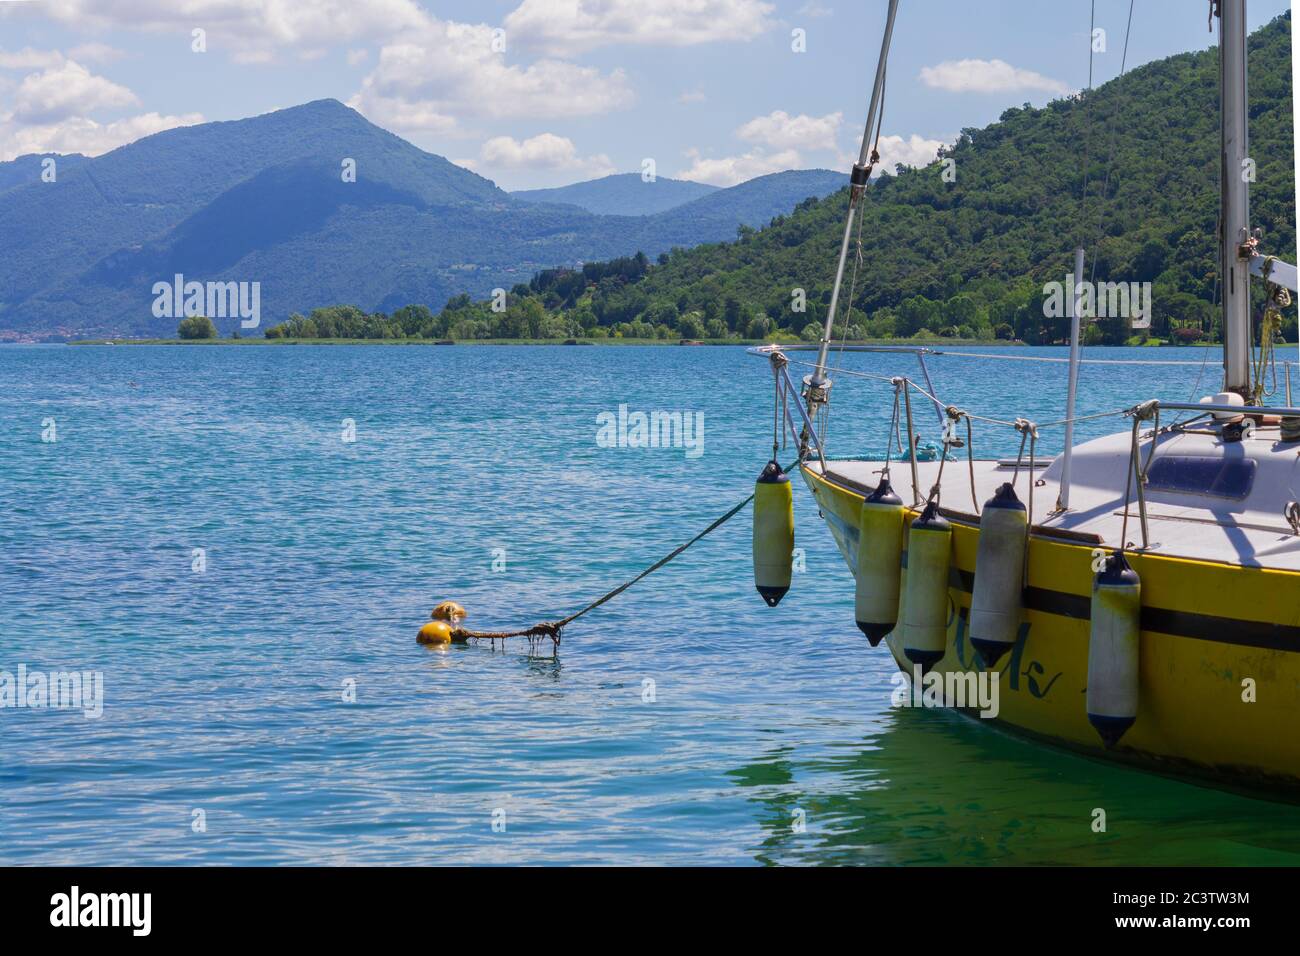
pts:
[1110, 156]
[1088, 111]
[858, 257]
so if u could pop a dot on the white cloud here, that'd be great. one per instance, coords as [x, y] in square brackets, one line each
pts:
[30, 59]
[730, 170]
[913, 151]
[569, 25]
[450, 70]
[95, 53]
[780, 130]
[250, 29]
[814, 9]
[779, 140]
[987, 76]
[51, 110]
[63, 91]
[544, 151]
[82, 135]
[691, 96]
[413, 119]
[429, 73]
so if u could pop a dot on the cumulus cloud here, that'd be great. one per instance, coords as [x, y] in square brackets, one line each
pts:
[987, 76]
[250, 29]
[780, 130]
[913, 151]
[450, 70]
[30, 59]
[66, 90]
[730, 170]
[95, 53]
[80, 134]
[544, 151]
[569, 25]
[780, 141]
[51, 110]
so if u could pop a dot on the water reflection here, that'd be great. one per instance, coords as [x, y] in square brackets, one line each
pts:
[934, 788]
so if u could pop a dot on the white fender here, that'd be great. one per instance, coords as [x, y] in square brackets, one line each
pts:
[925, 604]
[999, 575]
[1113, 649]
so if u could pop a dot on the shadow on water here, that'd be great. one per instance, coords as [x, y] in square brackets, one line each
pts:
[936, 788]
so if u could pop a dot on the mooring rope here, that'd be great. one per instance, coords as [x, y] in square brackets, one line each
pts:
[554, 629]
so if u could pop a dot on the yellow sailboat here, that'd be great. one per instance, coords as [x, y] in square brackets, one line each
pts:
[1137, 596]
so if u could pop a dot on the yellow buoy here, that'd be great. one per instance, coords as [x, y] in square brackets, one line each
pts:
[880, 552]
[448, 611]
[773, 533]
[435, 632]
[925, 605]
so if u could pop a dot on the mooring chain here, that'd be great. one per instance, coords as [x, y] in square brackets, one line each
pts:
[451, 613]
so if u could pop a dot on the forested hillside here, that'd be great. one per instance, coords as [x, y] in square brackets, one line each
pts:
[969, 257]
[972, 255]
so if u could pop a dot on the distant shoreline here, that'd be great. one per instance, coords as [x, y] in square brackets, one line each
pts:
[935, 342]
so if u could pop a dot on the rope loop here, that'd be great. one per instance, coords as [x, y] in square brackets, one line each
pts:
[1144, 411]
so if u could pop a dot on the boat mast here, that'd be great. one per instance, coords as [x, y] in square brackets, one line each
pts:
[1234, 240]
[858, 183]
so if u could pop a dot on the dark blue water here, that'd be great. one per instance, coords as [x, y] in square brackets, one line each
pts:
[224, 689]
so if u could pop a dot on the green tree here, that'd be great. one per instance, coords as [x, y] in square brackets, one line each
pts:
[689, 327]
[197, 327]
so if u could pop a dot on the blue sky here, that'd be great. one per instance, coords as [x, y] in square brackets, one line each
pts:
[709, 89]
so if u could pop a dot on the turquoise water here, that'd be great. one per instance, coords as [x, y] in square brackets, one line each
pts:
[224, 688]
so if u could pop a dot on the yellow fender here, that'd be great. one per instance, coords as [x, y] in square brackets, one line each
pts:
[880, 555]
[773, 533]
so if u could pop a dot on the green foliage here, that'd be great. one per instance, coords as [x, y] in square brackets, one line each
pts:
[968, 258]
[971, 257]
[197, 327]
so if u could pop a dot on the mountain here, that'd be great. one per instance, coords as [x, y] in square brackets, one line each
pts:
[28, 168]
[623, 194]
[265, 200]
[1129, 170]
[749, 204]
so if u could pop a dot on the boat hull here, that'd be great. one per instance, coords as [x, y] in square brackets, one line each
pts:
[1219, 653]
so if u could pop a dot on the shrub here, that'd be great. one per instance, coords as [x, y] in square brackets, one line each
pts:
[197, 327]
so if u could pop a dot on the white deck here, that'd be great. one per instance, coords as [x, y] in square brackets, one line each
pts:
[1250, 531]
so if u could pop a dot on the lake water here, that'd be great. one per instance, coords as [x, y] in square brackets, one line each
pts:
[475, 474]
